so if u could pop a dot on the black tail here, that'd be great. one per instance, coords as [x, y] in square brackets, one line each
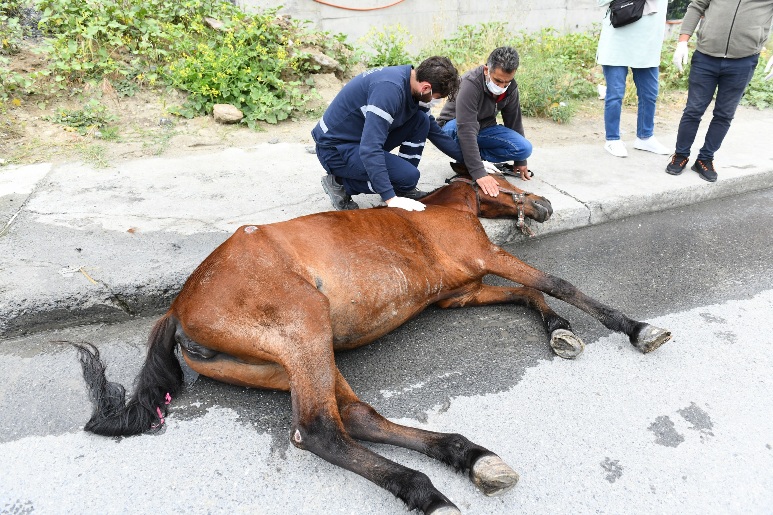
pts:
[159, 379]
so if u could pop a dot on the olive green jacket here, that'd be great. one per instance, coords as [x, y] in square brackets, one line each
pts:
[730, 28]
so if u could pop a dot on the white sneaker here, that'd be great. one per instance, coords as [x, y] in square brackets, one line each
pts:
[651, 145]
[616, 147]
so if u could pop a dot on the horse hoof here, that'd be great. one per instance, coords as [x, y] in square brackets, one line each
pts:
[493, 476]
[566, 344]
[445, 510]
[649, 338]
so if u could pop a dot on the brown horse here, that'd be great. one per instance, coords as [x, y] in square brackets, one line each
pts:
[270, 306]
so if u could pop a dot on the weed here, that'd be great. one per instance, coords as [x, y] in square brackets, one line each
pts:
[248, 67]
[160, 142]
[35, 151]
[108, 134]
[556, 71]
[92, 154]
[388, 46]
[469, 46]
[759, 94]
[92, 118]
[254, 62]
[13, 85]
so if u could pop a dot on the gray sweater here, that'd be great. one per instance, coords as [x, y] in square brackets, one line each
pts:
[475, 109]
[730, 28]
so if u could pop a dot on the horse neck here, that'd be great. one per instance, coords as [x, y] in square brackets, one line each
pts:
[457, 195]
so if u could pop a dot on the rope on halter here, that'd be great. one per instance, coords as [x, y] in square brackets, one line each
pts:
[518, 198]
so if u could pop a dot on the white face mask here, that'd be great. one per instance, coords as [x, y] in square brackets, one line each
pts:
[493, 87]
[432, 103]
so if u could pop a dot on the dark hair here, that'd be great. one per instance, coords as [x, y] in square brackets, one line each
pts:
[442, 75]
[504, 58]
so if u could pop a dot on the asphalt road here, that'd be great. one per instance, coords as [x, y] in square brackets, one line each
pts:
[686, 429]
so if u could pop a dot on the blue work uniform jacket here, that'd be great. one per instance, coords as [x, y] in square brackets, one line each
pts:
[366, 110]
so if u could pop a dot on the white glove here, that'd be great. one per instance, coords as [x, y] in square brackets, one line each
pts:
[406, 203]
[680, 55]
[490, 168]
[769, 68]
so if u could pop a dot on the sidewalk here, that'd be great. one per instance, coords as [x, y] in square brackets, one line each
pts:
[79, 244]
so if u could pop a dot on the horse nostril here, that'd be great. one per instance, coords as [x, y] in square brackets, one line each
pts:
[545, 208]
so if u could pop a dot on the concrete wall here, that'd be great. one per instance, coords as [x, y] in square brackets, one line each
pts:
[429, 20]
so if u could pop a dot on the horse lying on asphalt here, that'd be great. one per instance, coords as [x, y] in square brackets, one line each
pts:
[270, 306]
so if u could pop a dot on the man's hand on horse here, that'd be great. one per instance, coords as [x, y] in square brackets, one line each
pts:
[488, 184]
[405, 203]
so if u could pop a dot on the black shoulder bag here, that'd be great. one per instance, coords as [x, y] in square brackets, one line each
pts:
[624, 12]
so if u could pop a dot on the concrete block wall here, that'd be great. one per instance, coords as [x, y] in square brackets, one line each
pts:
[429, 20]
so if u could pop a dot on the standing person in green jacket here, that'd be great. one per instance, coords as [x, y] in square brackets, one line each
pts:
[729, 42]
[636, 46]
[471, 119]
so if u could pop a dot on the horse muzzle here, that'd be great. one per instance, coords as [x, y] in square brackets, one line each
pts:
[542, 209]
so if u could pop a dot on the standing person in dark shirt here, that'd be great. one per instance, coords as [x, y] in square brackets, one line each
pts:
[472, 119]
[376, 112]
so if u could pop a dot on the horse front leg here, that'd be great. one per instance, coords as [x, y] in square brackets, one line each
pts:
[487, 471]
[642, 335]
[563, 341]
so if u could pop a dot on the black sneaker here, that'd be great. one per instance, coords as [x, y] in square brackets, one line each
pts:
[677, 164]
[341, 200]
[414, 194]
[509, 169]
[705, 168]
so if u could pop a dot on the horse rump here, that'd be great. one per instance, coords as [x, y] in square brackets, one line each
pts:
[159, 379]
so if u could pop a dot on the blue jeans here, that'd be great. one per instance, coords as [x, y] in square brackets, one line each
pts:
[344, 160]
[496, 143]
[646, 80]
[729, 78]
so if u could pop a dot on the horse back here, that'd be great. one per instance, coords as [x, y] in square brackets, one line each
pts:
[374, 269]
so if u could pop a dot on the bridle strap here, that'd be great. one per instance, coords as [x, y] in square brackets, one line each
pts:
[518, 198]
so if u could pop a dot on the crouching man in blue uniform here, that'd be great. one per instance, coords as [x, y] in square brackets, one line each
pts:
[376, 112]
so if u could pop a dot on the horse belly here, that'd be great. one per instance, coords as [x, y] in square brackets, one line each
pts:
[228, 369]
[362, 312]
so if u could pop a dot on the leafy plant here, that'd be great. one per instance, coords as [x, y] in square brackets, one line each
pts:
[252, 61]
[388, 46]
[542, 94]
[469, 46]
[676, 9]
[12, 84]
[93, 117]
[248, 66]
[556, 70]
[759, 94]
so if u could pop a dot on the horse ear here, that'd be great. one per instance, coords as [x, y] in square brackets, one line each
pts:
[459, 168]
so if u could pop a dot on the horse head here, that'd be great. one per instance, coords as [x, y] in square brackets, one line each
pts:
[462, 192]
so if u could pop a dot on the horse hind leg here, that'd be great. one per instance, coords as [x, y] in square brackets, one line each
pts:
[563, 341]
[300, 340]
[318, 428]
[486, 470]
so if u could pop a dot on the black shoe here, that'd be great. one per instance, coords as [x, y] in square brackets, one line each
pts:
[341, 200]
[509, 169]
[677, 164]
[414, 194]
[705, 168]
